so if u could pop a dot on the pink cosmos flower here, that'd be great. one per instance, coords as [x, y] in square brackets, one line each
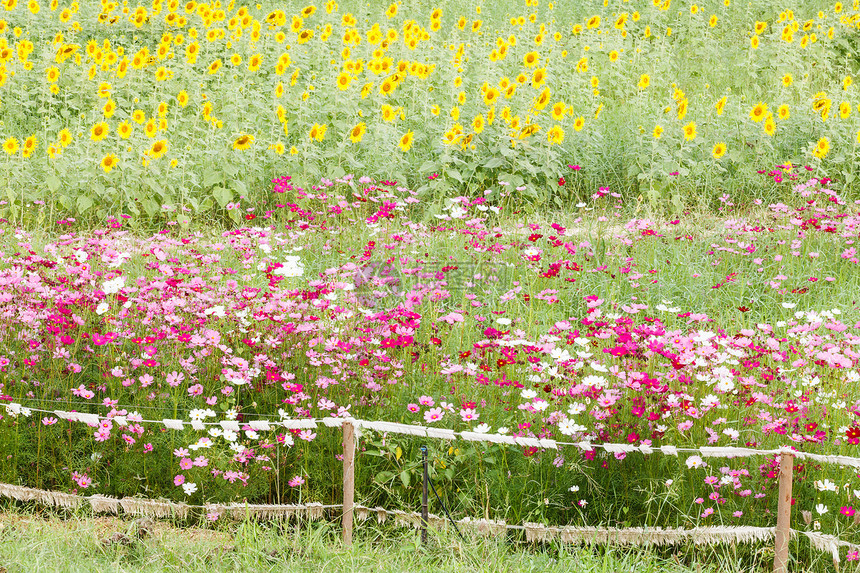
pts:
[413, 408]
[296, 481]
[186, 463]
[433, 415]
[468, 415]
[307, 435]
[179, 480]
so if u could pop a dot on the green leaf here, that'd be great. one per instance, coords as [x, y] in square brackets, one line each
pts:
[455, 174]
[383, 477]
[53, 182]
[240, 187]
[154, 186]
[222, 195]
[494, 162]
[406, 478]
[84, 203]
[213, 177]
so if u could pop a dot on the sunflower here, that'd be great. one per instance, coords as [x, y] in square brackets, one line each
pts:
[769, 125]
[720, 106]
[214, 67]
[558, 111]
[759, 112]
[151, 128]
[52, 74]
[357, 132]
[844, 110]
[305, 36]
[405, 143]
[690, 131]
[783, 112]
[317, 132]
[530, 60]
[109, 108]
[99, 131]
[343, 81]
[109, 161]
[613, 56]
[682, 108]
[158, 149]
[555, 135]
[491, 96]
[10, 146]
[235, 59]
[760, 27]
[821, 148]
[593, 22]
[254, 62]
[713, 21]
[579, 123]
[478, 123]
[644, 81]
[787, 80]
[182, 98]
[539, 77]
[719, 150]
[124, 130]
[29, 146]
[389, 114]
[543, 99]
[244, 141]
[64, 137]
[138, 116]
[191, 51]
[754, 41]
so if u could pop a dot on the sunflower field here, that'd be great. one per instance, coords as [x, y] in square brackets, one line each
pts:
[122, 107]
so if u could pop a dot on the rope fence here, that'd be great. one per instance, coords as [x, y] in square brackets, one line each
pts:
[534, 532]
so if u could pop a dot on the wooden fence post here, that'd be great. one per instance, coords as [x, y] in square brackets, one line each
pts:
[348, 480]
[783, 516]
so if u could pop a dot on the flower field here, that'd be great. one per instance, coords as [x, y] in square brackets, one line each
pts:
[593, 328]
[222, 215]
[114, 107]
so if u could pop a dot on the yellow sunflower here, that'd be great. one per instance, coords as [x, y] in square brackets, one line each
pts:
[690, 131]
[99, 131]
[244, 141]
[158, 149]
[759, 112]
[821, 148]
[405, 143]
[555, 135]
[108, 162]
[10, 146]
[719, 150]
[357, 132]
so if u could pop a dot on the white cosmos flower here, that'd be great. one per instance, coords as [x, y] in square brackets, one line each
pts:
[102, 308]
[293, 267]
[113, 286]
[825, 485]
[821, 509]
[695, 462]
[189, 487]
[528, 394]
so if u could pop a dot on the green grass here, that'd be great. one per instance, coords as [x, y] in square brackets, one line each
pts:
[31, 542]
